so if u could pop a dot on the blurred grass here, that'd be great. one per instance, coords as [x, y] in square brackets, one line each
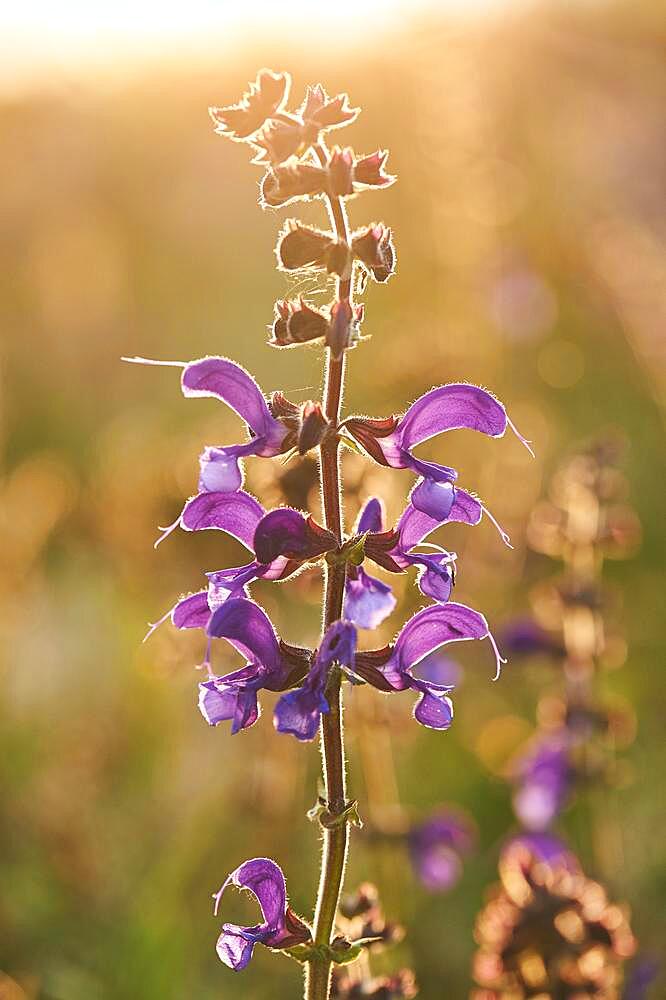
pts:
[529, 218]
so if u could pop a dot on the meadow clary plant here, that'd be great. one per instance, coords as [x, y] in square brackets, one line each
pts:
[292, 147]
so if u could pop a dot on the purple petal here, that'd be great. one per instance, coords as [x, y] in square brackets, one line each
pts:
[249, 629]
[221, 471]
[192, 611]
[338, 646]
[298, 712]
[371, 516]
[217, 704]
[286, 532]
[227, 381]
[433, 627]
[466, 508]
[233, 948]
[237, 513]
[434, 499]
[226, 583]
[434, 709]
[452, 407]
[368, 601]
[264, 879]
[436, 575]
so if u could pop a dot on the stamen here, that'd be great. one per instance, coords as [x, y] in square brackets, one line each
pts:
[499, 659]
[523, 440]
[503, 534]
[152, 361]
[166, 531]
[156, 625]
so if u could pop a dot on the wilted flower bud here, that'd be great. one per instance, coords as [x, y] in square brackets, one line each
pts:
[401, 986]
[282, 185]
[327, 112]
[297, 323]
[361, 902]
[344, 327]
[304, 246]
[279, 140]
[266, 97]
[369, 170]
[314, 427]
[341, 172]
[374, 248]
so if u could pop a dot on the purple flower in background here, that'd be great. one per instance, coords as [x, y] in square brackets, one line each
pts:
[448, 407]
[298, 712]
[543, 778]
[271, 665]
[524, 637]
[437, 847]
[543, 847]
[391, 669]
[225, 380]
[645, 970]
[280, 928]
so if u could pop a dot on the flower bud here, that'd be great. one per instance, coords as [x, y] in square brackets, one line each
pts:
[369, 170]
[374, 248]
[327, 112]
[314, 427]
[279, 140]
[344, 327]
[340, 172]
[285, 184]
[266, 97]
[302, 246]
[297, 323]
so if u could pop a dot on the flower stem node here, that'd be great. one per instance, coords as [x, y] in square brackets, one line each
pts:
[329, 820]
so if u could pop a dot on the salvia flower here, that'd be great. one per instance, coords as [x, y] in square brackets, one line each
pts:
[281, 542]
[543, 777]
[392, 669]
[271, 665]
[437, 846]
[280, 927]
[455, 406]
[227, 381]
[298, 712]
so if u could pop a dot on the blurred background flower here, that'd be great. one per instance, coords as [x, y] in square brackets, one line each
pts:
[530, 226]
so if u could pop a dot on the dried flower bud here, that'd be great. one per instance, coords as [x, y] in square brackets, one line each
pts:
[325, 111]
[303, 246]
[344, 327]
[401, 986]
[341, 172]
[266, 97]
[314, 427]
[359, 903]
[297, 323]
[285, 184]
[374, 248]
[279, 140]
[369, 170]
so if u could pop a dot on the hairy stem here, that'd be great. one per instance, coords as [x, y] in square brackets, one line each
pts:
[318, 972]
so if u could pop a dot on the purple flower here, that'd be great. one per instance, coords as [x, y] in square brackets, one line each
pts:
[281, 541]
[543, 847]
[644, 971]
[524, 637]
[270, 665]
[543, 777]
[280, 928]
[391, 669]
[298, 712]
[448, 407]
[437, 846]
[225, 380]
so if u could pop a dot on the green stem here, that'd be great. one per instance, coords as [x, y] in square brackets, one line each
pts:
[318, 971]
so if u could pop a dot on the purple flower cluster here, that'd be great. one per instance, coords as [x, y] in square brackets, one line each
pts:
[281, 542]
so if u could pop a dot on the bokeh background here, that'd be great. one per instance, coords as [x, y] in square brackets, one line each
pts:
[530, 219]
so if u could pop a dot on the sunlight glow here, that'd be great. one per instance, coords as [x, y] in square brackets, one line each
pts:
[40, 36]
